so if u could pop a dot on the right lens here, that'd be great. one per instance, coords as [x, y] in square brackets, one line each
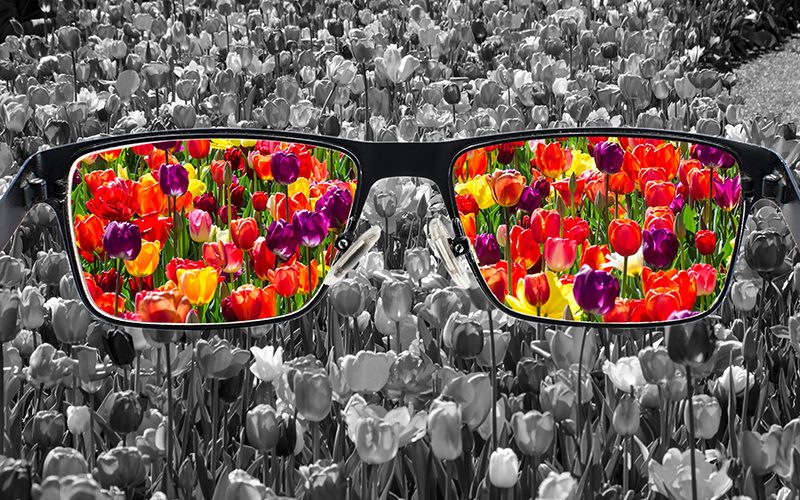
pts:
[208, 230]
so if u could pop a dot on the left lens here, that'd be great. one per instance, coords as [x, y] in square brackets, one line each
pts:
[601, 229]
[209, 231]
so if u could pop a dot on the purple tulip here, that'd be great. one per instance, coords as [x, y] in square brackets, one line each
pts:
[683, 314]
[676, 205]
[530, 200]
[311, 228]
[173, 179]
[713, 157]
[285, 167]
[595, 291]
[122, 240]
[487, 249]
[168, 145]
[335, 204]
[281, 239]
[542, 186]
[727, 193]
[659, 247]
[608, 157]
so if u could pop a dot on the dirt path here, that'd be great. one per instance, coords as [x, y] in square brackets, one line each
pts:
[771, 83]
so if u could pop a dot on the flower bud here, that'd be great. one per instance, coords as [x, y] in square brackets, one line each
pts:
[78, 419]
[707, 414]
[626, 416]
[125, 411]
[503, 468]
[62, 462]
[261, 427]
[444, 429]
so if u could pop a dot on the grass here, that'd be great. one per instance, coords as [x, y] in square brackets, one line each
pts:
[770, 84]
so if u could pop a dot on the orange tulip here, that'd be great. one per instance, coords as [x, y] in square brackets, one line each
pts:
[550, 159]
[506, 187]
[244, 232]
[302, 272]
[250, 302]
[595, 256]
[680, 281]
[620, 183]
[468, 223]
[89, 234]
[496, 278]
[146, 262]
[163, 306]
[97, 178]
[277, 205]
[105, 302]
[149, 197]
[471, 164]
[524, 248]
[198, 148]
[661, 302]
[158, 157]
[262, 164]
[625, 236]
[198, 285]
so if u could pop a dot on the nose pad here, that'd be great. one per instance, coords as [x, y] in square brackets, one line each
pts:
[352, 255]
[451, 252]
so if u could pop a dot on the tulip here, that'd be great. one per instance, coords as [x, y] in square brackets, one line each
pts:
[310, 228]
[760, 451]
[285, 167]
[711, 482]
[707, 414]
[335, 205]
[146, 261]
[288, 439]
[249, 302]
[244, 233]
[9, 312]
[173, 179]
[122, 467]
[705, 241]
[200, 225]
[45, 428]
[70, 320]
[367, 371]
[712, 157]
[558, 399]
[690, 344]
[487, 250]
[261, 427]
[31, 308]
[503, 468]
[659, 247]
[418, 263]
[626, 416]
[705, 275]
[282, 239]
[559, 253]
[506, 187]
[537, 289]
[376, 440]
[464, 335]
[198, 148]
[533, 432]
[313, 394]
[267, 362]
[656, 365]
[225, 256]
[219, 360]
[624, 236]
[49, 366]
[444, 429]
[765, 250]
[529, 200]
[242, 485]
[15, 478]
[78, 419]
[744, 295]
[163, 307]
[324, 480]
[549, 159]
[595, 291]
[62, 462]
[608, 157]
[558, 487]
[122, 240]
[626, 374]
[385, 203]
[198, 285]
[727, 193]
[125, 411]
[396, 299]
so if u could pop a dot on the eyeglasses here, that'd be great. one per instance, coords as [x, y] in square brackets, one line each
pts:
[198, 229]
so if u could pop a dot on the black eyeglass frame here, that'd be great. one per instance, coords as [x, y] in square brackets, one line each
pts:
[43, 178]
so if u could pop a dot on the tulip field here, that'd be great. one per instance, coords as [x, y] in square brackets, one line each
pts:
[398, 384]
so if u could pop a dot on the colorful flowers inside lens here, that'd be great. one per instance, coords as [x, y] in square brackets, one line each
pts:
[601, 229]
[208, 231]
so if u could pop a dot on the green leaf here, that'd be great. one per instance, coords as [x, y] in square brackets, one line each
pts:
[689, 217]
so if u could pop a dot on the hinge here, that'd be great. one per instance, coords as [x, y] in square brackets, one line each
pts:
[34, 190]
[459, 245]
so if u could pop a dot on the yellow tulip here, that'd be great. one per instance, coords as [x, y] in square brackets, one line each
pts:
[197, 187]
[146, 262]
[301, 185]
[479, 188]
[580, 163]
[198, 285]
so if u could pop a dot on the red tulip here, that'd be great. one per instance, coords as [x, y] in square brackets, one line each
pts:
[471, 164]
[705, 276]
[537, 289]
[625, 236]
[659, 218]
[89, 235]
[285, 279]
[595, 256]
[244, 232]
[659, 193]
[524, 248]
[705, 241]
[576, 229]
[545, 224]
[559, 253]
[262, 258]
[224, 256]
[198, 148]
[466, 204]
[679, 281]
[550, 159]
